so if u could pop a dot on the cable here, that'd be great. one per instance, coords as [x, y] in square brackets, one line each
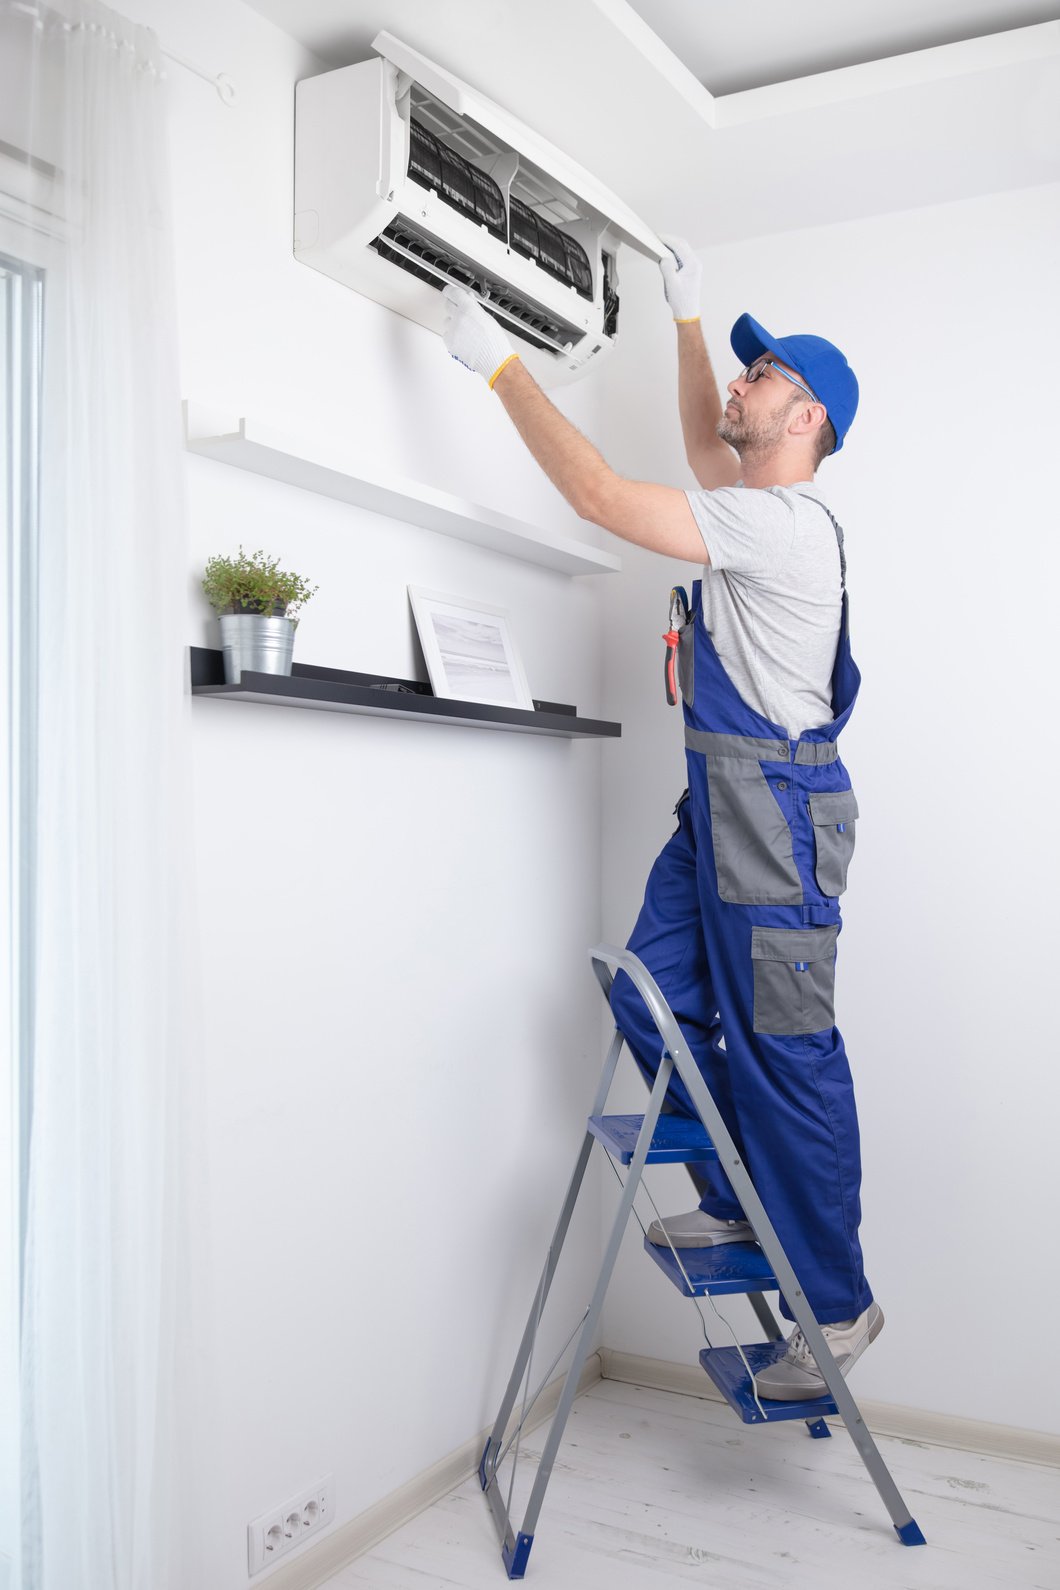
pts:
[691, 1290]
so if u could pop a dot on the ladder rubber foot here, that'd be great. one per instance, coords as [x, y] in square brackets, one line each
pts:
[515, 1559]
[910, 1534]
[818, 1429]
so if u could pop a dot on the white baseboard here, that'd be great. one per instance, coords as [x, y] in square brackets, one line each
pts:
[351, 1540]
[882, 1418]
[315, 1565]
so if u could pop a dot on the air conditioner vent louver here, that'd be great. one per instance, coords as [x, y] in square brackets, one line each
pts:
[409, 239]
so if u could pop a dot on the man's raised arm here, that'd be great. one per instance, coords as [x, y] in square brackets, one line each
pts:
[653, 516]
[710, 459]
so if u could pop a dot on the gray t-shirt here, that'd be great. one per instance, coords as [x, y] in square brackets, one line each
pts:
[772, 597]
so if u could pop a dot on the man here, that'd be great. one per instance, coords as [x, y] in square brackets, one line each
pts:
[741, 911]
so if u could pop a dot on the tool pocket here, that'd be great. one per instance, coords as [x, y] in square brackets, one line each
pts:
[686, 661]
[794, 979]
[833, 816]
[750, 834]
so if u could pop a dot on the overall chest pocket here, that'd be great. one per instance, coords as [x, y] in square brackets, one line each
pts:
[753, 853]
[833, 816]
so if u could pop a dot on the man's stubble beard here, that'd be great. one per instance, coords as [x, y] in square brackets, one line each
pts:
[752, 438]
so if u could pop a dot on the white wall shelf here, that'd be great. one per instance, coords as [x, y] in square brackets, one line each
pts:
[333, 473]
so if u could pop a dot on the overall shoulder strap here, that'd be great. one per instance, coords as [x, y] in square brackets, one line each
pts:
[837, 527]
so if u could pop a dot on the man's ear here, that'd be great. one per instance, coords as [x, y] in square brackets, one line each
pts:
[807, 419]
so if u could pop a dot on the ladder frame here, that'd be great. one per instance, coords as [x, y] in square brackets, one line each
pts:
[516, 1544]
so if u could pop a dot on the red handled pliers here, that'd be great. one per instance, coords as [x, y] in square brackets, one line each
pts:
[678, 619]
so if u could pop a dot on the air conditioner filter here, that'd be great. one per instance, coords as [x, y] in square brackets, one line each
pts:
[455, 180]
[553, 250]
[474, 194]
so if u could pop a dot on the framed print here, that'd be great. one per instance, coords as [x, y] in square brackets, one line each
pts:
[469, 650]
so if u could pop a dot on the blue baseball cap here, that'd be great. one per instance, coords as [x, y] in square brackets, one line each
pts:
[820, 363]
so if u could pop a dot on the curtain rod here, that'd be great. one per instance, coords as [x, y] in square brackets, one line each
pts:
[226, 89]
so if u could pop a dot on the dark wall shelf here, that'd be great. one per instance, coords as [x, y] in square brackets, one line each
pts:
[338, 690]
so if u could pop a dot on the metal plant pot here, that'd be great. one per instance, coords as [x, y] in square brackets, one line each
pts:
[256, 643]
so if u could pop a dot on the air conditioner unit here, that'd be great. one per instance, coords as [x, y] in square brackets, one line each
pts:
[406, 179]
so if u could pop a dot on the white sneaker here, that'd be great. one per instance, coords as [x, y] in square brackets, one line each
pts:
[796, 1375]
[697, 1229]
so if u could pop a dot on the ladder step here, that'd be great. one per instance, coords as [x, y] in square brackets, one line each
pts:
[732, 1267]
[725, 1368]
[677, 1140]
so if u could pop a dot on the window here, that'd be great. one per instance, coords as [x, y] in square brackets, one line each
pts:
[21, 343]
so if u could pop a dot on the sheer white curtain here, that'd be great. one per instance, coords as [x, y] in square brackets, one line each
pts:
[109, 739]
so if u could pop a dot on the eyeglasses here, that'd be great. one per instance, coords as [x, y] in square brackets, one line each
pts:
[760, 366]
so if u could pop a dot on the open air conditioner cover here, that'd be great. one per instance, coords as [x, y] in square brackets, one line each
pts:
[407, 178]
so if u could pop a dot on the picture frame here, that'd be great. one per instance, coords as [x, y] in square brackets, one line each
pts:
[469, 650]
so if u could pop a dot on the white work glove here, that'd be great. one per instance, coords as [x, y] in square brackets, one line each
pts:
[472, 336]
[681, 277]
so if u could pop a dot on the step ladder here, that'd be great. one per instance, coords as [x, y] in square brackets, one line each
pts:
[753, 1269]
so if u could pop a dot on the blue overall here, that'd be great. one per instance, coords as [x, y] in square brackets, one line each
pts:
[739, 928]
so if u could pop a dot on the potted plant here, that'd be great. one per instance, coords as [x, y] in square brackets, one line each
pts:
[256, 601]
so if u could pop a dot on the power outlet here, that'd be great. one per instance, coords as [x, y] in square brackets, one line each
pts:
[277, 1532]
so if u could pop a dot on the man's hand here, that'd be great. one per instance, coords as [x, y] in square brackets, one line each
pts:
[474, 337]
[681, 274]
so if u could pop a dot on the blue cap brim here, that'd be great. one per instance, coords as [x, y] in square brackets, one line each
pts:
[750, 341]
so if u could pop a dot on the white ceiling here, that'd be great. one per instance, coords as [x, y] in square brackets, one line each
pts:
[731, 45]
[620, 88]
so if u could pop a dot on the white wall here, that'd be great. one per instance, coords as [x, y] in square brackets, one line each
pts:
[401, 1026]
[389, 1103]
[945, 487]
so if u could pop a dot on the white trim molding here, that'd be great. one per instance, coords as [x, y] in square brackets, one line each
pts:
[882, 1418]
[916, 69]
[317, 1564]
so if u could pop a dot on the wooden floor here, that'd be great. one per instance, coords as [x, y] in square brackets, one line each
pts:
[653, 1489]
